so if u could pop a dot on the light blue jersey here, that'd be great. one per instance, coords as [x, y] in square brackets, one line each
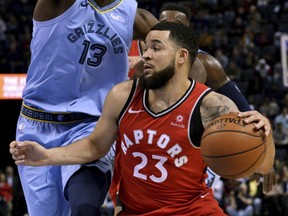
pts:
[89, 48]
[76, 59]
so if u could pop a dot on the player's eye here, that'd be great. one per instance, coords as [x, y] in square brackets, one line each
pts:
[156, 48]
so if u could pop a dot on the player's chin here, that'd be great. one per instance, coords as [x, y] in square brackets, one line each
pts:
[147, 72]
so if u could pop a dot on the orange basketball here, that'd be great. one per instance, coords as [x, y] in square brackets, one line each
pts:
[232, 148]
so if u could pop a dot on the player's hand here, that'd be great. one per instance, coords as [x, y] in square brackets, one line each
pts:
[257, 118]
[269, 180]
[28, 153]
[134, 61]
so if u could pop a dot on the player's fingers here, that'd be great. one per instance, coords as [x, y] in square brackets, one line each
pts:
[259, 120]
[14, 151]
[18, 157]
[252, 116]
[267, 130]
[246, 113]
[265, 124]
[12, 144]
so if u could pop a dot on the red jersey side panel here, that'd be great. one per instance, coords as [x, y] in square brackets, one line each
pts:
[164, 172]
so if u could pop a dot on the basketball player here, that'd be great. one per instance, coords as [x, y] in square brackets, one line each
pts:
[158, 121]
[79, 51]
[206, 68]
[210, 71]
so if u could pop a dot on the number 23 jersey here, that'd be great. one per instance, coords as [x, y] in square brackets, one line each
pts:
[160, 160]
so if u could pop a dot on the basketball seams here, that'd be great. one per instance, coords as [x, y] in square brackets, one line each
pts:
[237, 131]
[239, 174]
[238, 153]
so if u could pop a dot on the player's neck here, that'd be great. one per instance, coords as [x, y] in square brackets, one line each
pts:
[167, 96]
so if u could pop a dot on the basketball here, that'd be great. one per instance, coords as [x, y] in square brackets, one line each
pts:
[232, 148]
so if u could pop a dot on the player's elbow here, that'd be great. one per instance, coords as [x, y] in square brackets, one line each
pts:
[97, 149]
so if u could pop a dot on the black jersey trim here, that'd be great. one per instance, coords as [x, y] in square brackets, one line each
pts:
[196, 127]
[171, 108]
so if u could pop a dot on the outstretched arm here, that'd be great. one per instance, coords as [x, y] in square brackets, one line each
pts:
[85, 150]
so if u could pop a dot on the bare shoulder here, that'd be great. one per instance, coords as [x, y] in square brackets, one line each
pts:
[116, 100]
[144, 20]
[213, 105]
[122, 89]
[119, 94]
[49, 9]
[216, 76]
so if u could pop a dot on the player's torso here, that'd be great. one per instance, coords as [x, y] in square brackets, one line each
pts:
[78, 56]
[160, 163]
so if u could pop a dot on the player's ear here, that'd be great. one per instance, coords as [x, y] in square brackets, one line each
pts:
[182, 55]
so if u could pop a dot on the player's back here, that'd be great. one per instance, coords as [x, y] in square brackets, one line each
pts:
[78, 56]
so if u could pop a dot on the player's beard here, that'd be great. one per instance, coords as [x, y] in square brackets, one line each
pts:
[159, 79]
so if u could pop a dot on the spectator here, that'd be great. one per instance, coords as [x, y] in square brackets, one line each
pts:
[281, 141]
[3, 29]
[18, 202]
[221, 56]
[233, 71]
[219, 191]
[272, 201]
[264, 69]
[274, 107]
[6, 196]
[254, 190]
[282, 118]
[255, 85]
[240, 203]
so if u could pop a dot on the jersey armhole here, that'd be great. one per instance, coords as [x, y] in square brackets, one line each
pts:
[197, 128]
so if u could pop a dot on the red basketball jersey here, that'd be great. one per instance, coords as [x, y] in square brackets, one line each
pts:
[162, 169]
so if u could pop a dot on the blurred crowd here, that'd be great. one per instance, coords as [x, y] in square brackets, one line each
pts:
[244, 35]
[12, 202]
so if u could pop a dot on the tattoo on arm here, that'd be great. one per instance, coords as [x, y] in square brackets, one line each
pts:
[214, 105]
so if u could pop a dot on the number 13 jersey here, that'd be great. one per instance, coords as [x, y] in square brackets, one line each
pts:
[79, 56]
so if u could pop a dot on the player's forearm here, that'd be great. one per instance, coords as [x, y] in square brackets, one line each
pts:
[79, 152]
[269, 157]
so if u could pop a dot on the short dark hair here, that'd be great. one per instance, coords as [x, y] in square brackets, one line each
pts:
[182, 35]
[177, 7]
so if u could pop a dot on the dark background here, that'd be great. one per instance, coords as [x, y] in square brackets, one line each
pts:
[9, 111]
